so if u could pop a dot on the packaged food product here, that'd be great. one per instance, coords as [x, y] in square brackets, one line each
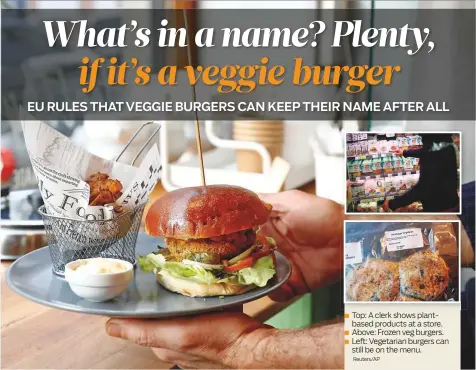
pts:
[400, 184]
[413, 140]
[412, 208]
[403, 142]
[387, 164]
[412, 179]
[357, 189]
[392, 145]
[364, 147]
[383, 147]
[419, 140]
[366, 166]
[357, 149]
[408, 163]
[416, 163]
[370, 187]
[380, 186]
[355, 136]
[361, 207]
[367, 206]
[397, 164]
[353, 166]
[377, 166]
[374, 187]
[351, 150]
[372, 206]
[444, 238]
[373, 147]
[391, 185]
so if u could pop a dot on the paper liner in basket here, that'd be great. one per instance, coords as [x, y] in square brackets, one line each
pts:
[61, 168]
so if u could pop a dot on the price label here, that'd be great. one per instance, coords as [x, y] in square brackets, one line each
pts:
[398, 240]
[353, 253]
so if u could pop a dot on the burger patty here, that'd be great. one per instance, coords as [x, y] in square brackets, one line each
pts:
[212, 250]
[424, 275]
[374, 280]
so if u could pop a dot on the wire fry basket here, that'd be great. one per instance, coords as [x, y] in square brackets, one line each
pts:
[71, 239]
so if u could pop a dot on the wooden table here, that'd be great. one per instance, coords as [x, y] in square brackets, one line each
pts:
[38, 337]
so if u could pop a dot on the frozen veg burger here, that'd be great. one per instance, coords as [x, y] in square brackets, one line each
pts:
[214, 247]
[424, 275]
[374, 280]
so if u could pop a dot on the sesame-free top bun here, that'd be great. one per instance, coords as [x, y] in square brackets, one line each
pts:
[205, 211]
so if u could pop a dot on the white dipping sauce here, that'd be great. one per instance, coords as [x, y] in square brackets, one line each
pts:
[100, 266]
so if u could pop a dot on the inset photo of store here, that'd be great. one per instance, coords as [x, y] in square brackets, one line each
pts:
[403, 172]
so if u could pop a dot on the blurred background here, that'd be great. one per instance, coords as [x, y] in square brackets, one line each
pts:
[311, 153]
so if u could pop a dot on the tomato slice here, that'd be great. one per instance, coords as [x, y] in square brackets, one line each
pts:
[247, 262]
[263, 253]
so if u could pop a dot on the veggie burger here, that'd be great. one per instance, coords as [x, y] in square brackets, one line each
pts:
[214, 246]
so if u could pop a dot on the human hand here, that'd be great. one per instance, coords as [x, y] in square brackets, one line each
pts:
[399, 152]
[220, 340]
[385, 205]
[309, 232]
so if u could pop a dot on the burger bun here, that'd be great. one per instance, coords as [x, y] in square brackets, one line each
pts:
[194, 289]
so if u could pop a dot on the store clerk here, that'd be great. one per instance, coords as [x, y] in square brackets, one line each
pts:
[438, 183]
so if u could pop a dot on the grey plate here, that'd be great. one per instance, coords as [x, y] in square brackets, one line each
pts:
[32, 277]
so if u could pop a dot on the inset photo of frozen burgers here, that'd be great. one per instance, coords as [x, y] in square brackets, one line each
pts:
[401, 261]
[403, 172]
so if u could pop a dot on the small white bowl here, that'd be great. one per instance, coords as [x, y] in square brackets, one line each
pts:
[98, 287]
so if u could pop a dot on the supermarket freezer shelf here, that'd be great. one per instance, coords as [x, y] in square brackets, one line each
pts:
[383, 175]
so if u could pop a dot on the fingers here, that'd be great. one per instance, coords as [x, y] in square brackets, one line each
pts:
[183, 334]
[184, 360]
[140, 332]
[236, 309]
[199, 341]
[268, 229]
[274, 200]
[282, 294]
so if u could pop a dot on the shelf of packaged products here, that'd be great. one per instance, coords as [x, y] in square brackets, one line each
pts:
[378, 155]
[384, 175]
[379, 198]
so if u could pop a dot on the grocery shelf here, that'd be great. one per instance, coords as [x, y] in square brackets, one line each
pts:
[375, 198]
[379, 155]
[384, 175]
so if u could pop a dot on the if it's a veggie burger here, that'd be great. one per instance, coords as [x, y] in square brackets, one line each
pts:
[214, 246]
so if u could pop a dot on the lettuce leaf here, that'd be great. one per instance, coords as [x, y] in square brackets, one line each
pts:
[262, 271]
[259, 274]
[151, 261]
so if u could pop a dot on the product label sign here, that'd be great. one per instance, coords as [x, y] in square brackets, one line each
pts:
[353, 253]
[404, 239]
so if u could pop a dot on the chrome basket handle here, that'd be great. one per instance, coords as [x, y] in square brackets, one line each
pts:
[143, 146]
